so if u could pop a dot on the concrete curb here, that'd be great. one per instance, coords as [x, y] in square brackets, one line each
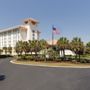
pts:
[14, 62]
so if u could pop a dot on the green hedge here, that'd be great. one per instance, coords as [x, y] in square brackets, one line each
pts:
[5, 56]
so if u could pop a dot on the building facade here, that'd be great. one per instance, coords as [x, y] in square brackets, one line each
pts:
[28, 31]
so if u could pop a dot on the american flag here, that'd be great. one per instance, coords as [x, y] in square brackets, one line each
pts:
[55, 30]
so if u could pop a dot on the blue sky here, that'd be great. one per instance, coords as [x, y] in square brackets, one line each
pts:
[71, 17]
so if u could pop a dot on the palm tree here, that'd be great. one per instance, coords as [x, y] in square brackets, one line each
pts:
[43, 46]
[1, 51]
[30, 43]
[34, 46]
[5, 49]
[77, 46]
[25, 47]
[87, 48]
[9, 49]
[63, 43]
[19, 47]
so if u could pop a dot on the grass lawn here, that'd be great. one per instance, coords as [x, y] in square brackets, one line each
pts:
[51, 63]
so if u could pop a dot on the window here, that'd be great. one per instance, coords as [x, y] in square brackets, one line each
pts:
[33, 34]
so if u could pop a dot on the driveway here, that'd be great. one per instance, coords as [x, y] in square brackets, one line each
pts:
[21, 77]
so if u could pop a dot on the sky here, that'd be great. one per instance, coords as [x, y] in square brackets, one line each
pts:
[71, 17]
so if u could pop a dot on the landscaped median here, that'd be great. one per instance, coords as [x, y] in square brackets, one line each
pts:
[51, 64]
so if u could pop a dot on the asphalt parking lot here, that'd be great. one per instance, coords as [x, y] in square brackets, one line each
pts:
[21, 77]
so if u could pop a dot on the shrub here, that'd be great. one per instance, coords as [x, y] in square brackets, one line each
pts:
[74, 61]
[87, 60]
[23, 57]
[83, 61]
[5, 56]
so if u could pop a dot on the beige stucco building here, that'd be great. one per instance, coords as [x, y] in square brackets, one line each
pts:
[27, 31]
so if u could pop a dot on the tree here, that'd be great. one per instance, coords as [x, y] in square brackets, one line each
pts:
[5, 49]
[37, 45]
[87, 48]
[34, 46]
[1, 51]
[25, 47]
[9, 49]
[31, 46]
[43, 47]
[63, 43]
[19, 47]
[77, 46]
[53, 55]
[43, 44]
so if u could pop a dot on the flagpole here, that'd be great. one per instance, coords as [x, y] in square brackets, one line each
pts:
[52, 37]
[54, 31]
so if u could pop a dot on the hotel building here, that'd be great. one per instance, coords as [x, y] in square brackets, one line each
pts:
[27, 31]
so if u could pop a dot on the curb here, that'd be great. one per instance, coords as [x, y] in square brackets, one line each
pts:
[14, 62]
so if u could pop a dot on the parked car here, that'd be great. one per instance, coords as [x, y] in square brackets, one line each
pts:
[2, 77]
